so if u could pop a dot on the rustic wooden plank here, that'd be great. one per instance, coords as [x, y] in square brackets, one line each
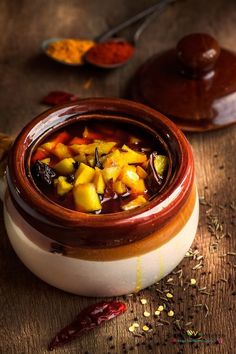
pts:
[31, 311]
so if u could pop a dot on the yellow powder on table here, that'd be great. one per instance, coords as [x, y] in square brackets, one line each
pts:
[70, 51]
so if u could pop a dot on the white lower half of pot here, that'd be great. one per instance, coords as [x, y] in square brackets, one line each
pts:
[102, 278]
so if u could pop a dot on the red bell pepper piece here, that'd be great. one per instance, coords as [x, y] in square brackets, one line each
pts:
[40, 154]
[80, 141]
[62, 137]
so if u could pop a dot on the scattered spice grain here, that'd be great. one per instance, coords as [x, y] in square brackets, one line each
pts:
[171, 313]
[169, 280]
[146, 314]
[143, 301]
[160, 308]
[146, 328]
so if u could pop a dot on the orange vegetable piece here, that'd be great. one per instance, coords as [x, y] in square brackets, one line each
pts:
[137, 202]
[62, 137]
[40, 154]
[77, 140]
[141, 172]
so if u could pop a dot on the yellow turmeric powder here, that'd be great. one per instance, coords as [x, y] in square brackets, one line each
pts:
[70, 51]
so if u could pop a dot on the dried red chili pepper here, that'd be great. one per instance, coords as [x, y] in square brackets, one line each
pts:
[55, 98]
[89, 318]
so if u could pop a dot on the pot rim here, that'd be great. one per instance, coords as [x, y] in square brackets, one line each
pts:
[26, 195]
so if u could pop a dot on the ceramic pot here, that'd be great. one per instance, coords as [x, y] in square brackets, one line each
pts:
[110, 254]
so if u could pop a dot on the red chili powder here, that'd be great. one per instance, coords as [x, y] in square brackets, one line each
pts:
[110, 52]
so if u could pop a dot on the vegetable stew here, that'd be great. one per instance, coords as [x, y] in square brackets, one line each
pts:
[95, 168]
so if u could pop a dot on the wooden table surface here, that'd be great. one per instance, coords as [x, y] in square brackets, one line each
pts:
[32, 311]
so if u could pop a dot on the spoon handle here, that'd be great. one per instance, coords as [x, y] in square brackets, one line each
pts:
[159, 6]
[149, 19]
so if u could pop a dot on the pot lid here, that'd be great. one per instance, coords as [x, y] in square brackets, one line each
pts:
[193, 84]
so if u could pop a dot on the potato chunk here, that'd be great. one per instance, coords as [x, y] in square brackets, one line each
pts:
[65, 166]
[46, 161]
[139, 187]
[99, 181]
[119, 187]
[111, 173]
[140, 200]
[63, 187]
[81, 157]
[49, 146]
[61, 151]
[86, 198]
[129, 176]
[115, 158]
[131, 156]
[84, 174]
[91, 160]
[104, 147]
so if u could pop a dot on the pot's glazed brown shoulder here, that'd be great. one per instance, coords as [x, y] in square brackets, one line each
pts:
[73, 228]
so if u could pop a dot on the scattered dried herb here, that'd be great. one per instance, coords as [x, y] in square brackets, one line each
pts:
[163, 288]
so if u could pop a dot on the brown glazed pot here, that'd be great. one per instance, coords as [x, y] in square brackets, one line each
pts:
[44, 233]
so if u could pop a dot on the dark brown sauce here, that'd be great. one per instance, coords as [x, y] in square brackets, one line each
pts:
[117, 132]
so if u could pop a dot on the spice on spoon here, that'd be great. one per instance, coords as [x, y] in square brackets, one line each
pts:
[70, 51]
[89, 318]
[109, 53]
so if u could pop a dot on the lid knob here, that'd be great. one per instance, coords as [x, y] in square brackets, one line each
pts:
[197, 54]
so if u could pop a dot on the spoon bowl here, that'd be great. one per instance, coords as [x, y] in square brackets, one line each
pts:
[45, 45]
[108, 35]
[114, 65]
[132, 43]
